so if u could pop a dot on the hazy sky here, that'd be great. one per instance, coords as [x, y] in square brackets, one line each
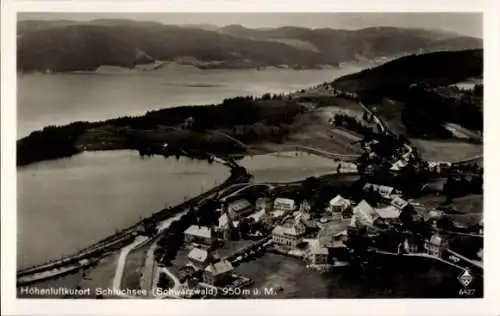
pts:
[462, 23]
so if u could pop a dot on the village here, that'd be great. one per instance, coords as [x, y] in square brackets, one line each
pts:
[370, 207]
[327, 231]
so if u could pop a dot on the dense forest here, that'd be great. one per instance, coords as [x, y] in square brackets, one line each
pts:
[421, 83]
[393, 78]
[69, 45]
[186, 128]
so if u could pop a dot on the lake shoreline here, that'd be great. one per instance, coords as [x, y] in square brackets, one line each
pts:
[131, 215]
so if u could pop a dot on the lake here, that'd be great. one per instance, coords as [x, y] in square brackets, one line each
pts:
[66, 204]
[110, 92]
[287, 166]
[73, 202]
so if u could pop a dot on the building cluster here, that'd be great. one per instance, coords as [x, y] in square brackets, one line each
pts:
[202, 240]
[320, 241]
[325, 244]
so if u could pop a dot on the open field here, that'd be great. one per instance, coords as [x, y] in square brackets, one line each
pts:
[390, 279]
[470, 207]
[312, 129]
[447, 150]
[468, 204]
[102, 275]
[133, 270]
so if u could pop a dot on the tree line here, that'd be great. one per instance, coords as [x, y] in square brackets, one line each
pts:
[248, 118]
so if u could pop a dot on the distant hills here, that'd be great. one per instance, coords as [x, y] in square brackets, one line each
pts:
[63, 45]
[433, 69]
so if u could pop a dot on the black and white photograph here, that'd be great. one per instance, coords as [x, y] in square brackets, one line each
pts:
[239, 155]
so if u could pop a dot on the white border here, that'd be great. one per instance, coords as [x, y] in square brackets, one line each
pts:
[10, 305]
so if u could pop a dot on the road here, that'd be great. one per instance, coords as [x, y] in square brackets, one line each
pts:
[421, 255]
[120, 265]
[269, 186]
[149, 270]
[173, 292]
[149, 277]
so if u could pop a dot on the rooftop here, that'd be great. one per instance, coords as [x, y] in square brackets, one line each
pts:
[389, 212]
[437, 239]
[199, 231]
[366, 211]
[197, 254]
[219, 267]
[316, 248]
[384, 189]
[239, 205]
[284, 230]
[339, 200]
[288, 202]
[257, 216]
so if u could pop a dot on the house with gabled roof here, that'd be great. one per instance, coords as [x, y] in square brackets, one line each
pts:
[289, 235]
[199, 234]
[316, 253]
[284, 204]
[338, 204]
[388, 213]
[436, 245]
[199, 257]
[365, 213]
[239, 209]
[218, 273]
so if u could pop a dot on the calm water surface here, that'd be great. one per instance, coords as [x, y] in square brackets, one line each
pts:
[287, 166]
[66, 204]
[75, 201]
[110, 92]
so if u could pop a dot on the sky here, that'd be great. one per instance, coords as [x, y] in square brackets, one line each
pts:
[469, 24]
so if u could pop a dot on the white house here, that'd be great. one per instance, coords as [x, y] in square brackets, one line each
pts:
[258, 216]
[283, 204]
[385, 191]
[338, 204]
[316, 253]
[388, 213]
[288, 236]
[436, 245]
[365, 213]
[199, 234]
[217, 273]
[199, 258]
[226, 226]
